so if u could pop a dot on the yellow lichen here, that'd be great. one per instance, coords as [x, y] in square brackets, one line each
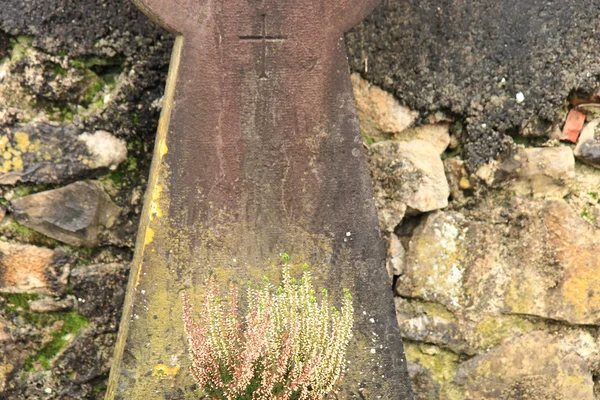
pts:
[149, 236]
[22, 141]
[162, 370]
[155, 210]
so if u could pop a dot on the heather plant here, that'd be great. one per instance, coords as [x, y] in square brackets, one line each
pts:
[289, 344]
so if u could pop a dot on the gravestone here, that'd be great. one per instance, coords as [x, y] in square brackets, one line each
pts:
[258, 153]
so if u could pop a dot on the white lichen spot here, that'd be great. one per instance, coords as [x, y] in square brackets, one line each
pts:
[107, 151]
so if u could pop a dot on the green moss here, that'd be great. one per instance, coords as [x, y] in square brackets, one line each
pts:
[18, 231]
[72, 323]
[56, 69]
[19, 46]
[84, 255]
[26, 190]
[588, 214]
[18, 301]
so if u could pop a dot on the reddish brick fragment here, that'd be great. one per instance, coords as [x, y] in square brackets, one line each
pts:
[573, 126]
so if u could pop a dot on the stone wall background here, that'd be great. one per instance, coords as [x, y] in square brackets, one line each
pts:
[493, 222]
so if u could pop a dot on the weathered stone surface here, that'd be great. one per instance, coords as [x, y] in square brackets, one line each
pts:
[100, 291]
[43, 153]
[379, 113]
[431, 323]
[83, 363]
[535, 366]
[31, 269]
[49, 304]
[474, 59]
[433, 370]
[458, 178]
[549, 269]
[408, 178]
[436, 261]
[560, 277]
[76, 214]
[588, 146]
[438, 135]
[544, 171]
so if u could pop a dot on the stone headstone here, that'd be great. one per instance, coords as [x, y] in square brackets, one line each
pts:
[258, 153]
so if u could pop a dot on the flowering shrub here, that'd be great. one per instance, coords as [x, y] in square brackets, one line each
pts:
[287, 346]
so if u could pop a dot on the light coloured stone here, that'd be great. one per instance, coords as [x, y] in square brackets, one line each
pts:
[436, 261]
[380, 114]
[534, 366]
[107, 150]
[31, 269]
[438, 135]
[544, 171]
[396, 254]
[50, 304]
[408, 178]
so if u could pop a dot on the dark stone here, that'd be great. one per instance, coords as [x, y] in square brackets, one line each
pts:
[43, 153]
[77, 373]
[589, 153]
[77, 214]
[452, 56]
[100, 291]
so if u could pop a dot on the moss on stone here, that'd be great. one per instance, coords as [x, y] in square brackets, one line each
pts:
[22, 233]
[72, 323]
[441, 364]
[492, 331]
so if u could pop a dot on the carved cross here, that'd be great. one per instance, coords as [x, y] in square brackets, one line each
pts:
[246, 168]
[263, 39]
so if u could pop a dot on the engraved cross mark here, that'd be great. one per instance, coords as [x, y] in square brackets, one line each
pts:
[264, 38]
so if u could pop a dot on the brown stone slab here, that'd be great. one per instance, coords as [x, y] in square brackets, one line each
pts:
[258, 153]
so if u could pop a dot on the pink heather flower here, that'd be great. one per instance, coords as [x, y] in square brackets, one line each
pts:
[286, 344]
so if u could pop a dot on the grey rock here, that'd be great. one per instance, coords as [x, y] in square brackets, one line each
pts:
[77, 214]
[408, 178]
[100, 292]
[43, 153]
[588, 146]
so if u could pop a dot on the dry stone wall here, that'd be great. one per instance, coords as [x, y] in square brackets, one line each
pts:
[493, 222]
